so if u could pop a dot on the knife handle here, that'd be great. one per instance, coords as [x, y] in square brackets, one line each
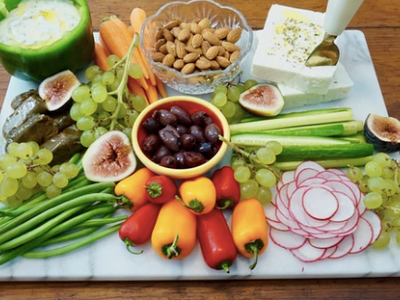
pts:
[339, 14]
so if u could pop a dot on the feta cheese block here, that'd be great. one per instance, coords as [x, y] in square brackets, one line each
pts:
[288, 38]
[338, 89]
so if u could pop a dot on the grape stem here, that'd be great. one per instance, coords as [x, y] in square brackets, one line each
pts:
[122, 86]
[246, 154]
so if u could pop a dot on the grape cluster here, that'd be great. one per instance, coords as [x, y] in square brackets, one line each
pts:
[24, 171]
[104, 102]
[380, 185]
[254, 171]
[226, 99]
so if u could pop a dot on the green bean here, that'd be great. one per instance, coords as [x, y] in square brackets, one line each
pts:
[53, 202]
[4, 220]
[101, 221]
[75, 158]
[80, 243]
[79, 184]
[53, 211]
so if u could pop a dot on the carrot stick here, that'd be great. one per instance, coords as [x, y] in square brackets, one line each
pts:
[100, 57]
[152, 93]
[136, 88]
[103, 44]
[161, 88]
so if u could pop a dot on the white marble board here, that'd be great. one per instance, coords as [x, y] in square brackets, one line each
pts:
[107, 259]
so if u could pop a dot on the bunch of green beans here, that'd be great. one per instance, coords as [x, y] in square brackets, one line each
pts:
[75, 216]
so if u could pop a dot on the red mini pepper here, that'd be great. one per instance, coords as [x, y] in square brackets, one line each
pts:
[160, 189]
[137, 229]
[216, 242]
[227, 188]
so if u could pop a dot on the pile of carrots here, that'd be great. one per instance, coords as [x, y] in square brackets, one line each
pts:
[115, 38]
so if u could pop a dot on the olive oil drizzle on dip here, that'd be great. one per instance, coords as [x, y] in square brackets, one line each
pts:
[37, 23]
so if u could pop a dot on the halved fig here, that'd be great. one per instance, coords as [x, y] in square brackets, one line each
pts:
[109, 158]
[56, 90]
[383, 133]
[262, 99]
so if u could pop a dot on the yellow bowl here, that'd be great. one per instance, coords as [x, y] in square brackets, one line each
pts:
[191, 105]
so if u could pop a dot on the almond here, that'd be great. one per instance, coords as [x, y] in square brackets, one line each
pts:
[221, 51]
[168, 60]
[171, 24]
[190, 57]
[188, 68]
[195, 28]
[193, 50]
[227, 55]
[234, 56]
[197, 40]
[211, 38]
[221, 33]
[189, 41]
[179, 64]
[205, 46]
[159, 33]
[184, 25]
[230, 47]
[204, 23]
[175, 31]
[168, 35]
[203, 63]
[171, 48]
[159, 43]
[184, 35]
[163, 49]
[180, 49]
[234, 35]
[212, 52]
[214, 65]
[212, 30]
[223, 62]
[158, 56]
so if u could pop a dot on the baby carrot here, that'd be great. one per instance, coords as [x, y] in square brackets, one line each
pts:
[136, 88]
[100, 57]
[161, 88]
[152, 94]
[103, 44]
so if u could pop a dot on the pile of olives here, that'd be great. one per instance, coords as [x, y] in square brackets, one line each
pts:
[178, 140]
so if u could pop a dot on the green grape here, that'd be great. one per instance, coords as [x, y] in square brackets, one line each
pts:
[16, 170]
[97, 80]
[88, 107]
[122, 112]
[264, 195]
[234, 93]
[120, 73]
[390, 187]
[35, 147]
[265, 156]
[220, 89]
[75, 111]
[44, 156]
[85, 123]
[354, 174]
[69, 169]
[99, 131]
[382, 242]
[240, 112]
[109, 104]
[398, 238]
[111, 60]
[44, 179]
[138, 102]
[376, 184]
[363, 184]
[242, 174]
[249, 83]
[29, 180]
[12, 148]
[249, 189]
[241, 87]
[52, 191]
[131, 117]
[23, 193]
[373, 169]
[6, 159]
[24, 150]
[238, 162]
[114, 86]
[99, 94]
[383, 159]
[1, 176]
[91, 72]
[265, 178]
[396, 222]
[393, 209]
[275, 146]
[128, 132]
[104, 118]
[60, 180]
[8, 186]
[135, 71]
[386, 224]
[228, 109]
[388, 172]
[372, 200]
[87, 138]
[220, 100]
[81, 93]
[55, 168]
[14, 201]
[108, 78]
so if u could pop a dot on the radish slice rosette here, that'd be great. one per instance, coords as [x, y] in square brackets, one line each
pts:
[319, 214]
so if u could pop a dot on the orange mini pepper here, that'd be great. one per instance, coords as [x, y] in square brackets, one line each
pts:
[249, 229]
[174, 235]
[198, 195]
[132, 188]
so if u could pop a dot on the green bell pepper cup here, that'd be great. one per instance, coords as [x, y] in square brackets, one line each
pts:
[74, 51]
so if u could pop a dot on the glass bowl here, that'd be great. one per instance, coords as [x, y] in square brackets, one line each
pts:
[219, 16]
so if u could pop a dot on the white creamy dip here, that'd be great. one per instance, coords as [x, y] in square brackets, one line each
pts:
[37, 23]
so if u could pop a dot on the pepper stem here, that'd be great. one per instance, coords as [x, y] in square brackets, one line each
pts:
[226, 202]
[173, 250]
[255, 260]
[225, 266]
[129, 244]
[154, 189]
[254, 247]
[194, 204]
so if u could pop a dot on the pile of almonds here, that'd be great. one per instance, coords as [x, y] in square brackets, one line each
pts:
[196, 46]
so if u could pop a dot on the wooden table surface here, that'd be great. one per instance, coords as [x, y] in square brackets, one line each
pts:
[380, 22]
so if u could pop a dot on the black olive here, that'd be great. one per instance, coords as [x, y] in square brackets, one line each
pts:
[207, 149]
[193, 159]
[201, 118]
[170, 138]
[212, 132]
[198, 133]
[188, 141]
[181, 114]
[180, 160]
[173, 129]
[160, 153]
[168, 161]
[182, 129]
[151, 143]
[151, 125]
[164, 117]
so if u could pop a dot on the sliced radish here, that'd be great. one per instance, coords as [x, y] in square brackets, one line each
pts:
[277, 225]
[287, 240]
[301, 232]
[338, 172]
[313, 182]
[344, 247]
[308, 253]
[325, 243]
[286, 221]
[320, 203]
[305, 174]
[291, 188]
[310, 229]
[328, 175]
[325, 235]
[274, 192]
[287, 177]
[355, 189]
[332, 226]
[340, 186]
[374, 220]
[346, 208]
[270, 212]
[308, 165]
[344, 178]
[362, 236]
[350, 227]
[329, 252]
[361, 207]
